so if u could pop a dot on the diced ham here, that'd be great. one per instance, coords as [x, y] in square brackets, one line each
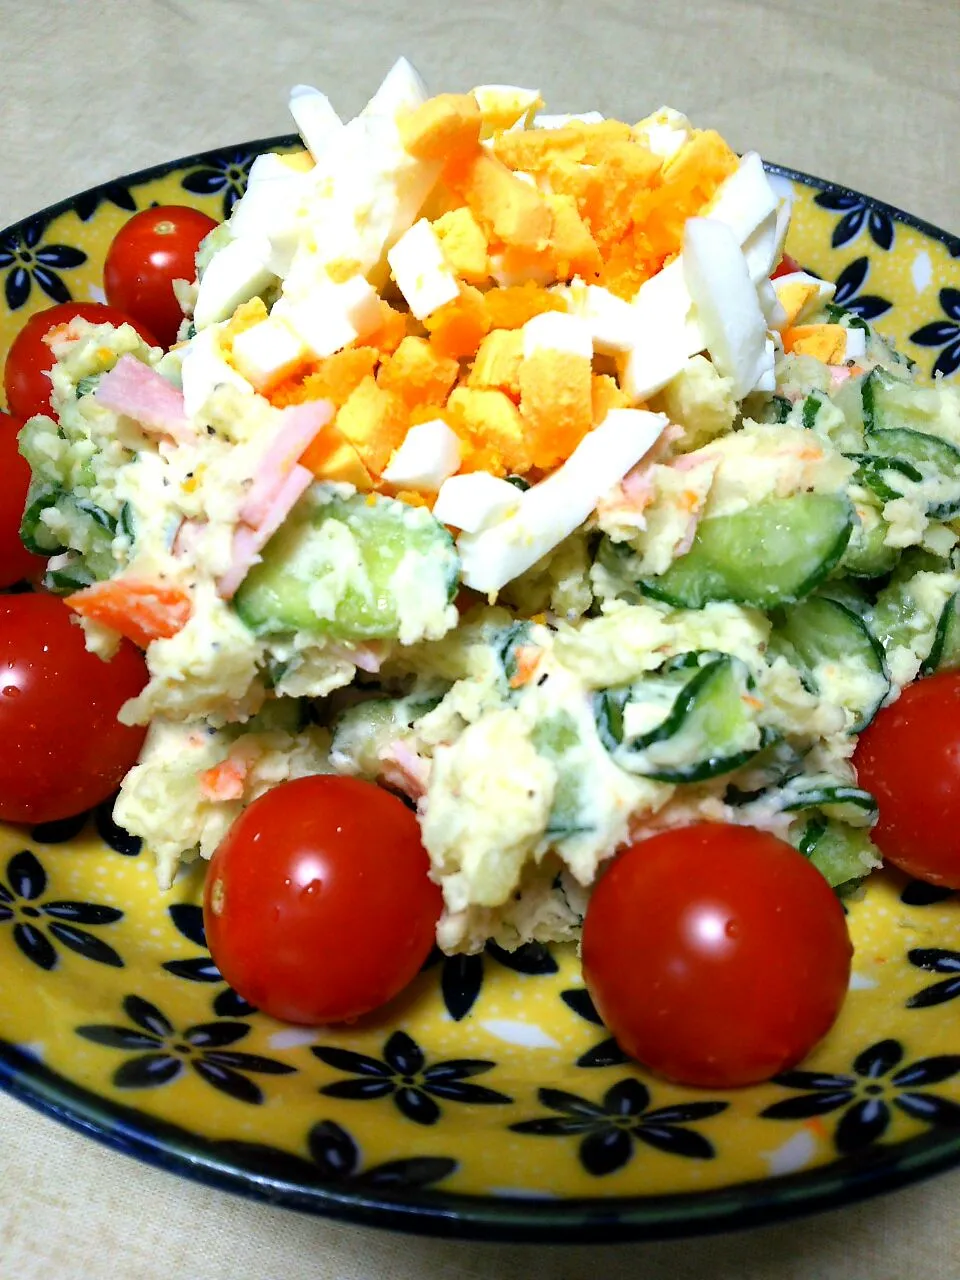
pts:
[248, 541]
[299, 424]
[139, 392]
[404, 769]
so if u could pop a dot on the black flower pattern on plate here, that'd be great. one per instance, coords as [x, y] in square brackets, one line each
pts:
[857, 213]
[610, 1129]
[115, 193]
[849, 283]
[164, 1053]
[936, 960]
[111, 834]
[28, 261]
[336, 1158]
[944, 334]
[605, 1053]
[188, 921]
[864, 1098]
[225, 173]
[462, 976]
[404, 1076]
[61, 831]
[38, 924]
[917, 893]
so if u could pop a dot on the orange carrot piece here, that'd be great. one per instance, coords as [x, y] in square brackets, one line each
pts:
[138, 608]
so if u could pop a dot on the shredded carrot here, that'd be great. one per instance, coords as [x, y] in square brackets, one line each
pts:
[223, 781]
[140, 609]
[527, 659]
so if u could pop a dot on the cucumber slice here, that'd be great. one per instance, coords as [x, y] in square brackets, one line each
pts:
[911, 463]
[771, 554]
[842, 854]
[907, 612]
[945, 654]
[710, 728]
[885, 476]
[557, 738]
[867, 554]
[352, 569]
[362, 730]
[833, 646]
[840, 801]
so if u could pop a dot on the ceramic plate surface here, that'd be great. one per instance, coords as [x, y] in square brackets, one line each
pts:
[487, 1100]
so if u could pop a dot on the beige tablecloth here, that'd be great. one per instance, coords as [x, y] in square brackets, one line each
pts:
[864, 94]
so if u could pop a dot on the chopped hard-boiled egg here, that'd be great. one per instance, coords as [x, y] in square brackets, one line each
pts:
[272, 208]
[316, 120]
[734, 328]
[557, 331]
[430, 453]
[856, 344]
[504, 105]
[826, 342]
[268, 352]
[402, 89]
[420, 270]
[664, 132]
[237, 273]
[475, 500]
[611, 320]
[800, 294]
[331, 315]
[203, 369]
[541, 121]
[549, 511]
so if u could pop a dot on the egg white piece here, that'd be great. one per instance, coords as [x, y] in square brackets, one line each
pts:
[856, 344]
[237, 273]
[473, 501]
[507, 100]
[771, 305]
[610, 319]
[203, 368]
[430, 453]
[314, 116]
[561, 121]
[266, 351]
[767, 378]
[271, 208]
[745, 198]
[402, 89]
[557, 331]
[664, 132]
[551, 510]
[331, 314]
[420, 270]
[665, 333]
[762, 248]
[729, 312]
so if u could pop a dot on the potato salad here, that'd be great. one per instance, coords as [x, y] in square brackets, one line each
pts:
[503, 460]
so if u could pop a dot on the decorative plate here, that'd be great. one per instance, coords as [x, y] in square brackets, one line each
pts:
[488, 1099]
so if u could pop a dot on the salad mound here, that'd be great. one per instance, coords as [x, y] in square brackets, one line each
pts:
[505, 461]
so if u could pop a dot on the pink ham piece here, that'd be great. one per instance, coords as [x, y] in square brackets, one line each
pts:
[249, 541]
[404, 769]
[139, 392]
[299, 424]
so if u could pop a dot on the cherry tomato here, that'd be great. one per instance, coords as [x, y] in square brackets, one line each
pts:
[909, 758]
[29, 359]
[785, 267]
[318, 907]
[156, 247]
[63, 748]
[716, 955]
[16, 562]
